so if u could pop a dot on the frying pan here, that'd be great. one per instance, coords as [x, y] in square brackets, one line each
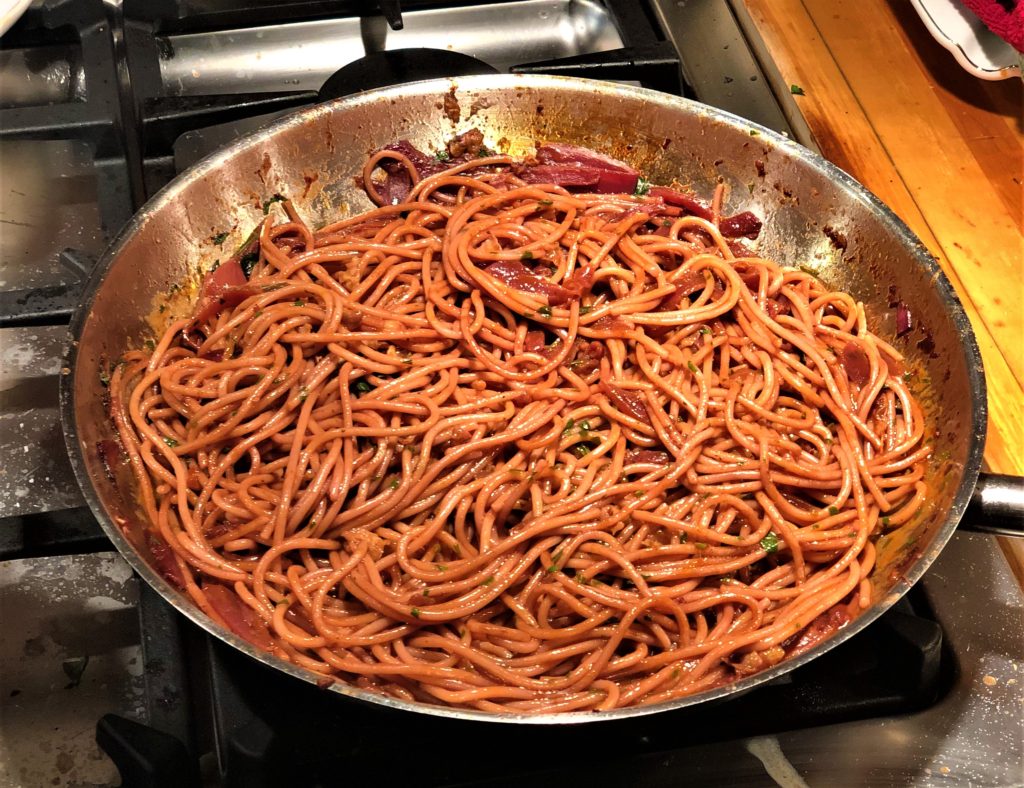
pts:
[814, 215]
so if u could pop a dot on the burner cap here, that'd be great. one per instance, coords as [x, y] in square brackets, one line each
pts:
[396, 66]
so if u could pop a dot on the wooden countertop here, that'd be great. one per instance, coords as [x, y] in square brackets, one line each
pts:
[945, 150]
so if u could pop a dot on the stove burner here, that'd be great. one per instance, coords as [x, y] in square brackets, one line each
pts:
[395, 66]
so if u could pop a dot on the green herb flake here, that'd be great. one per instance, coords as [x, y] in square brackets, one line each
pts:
[676, 672]
[257, 313]
[394, 484]
[584, 427]
[755, 133]
[219, 239]
[171, 442]
[298, 302]
[581, 450]
[796, 90]
[426, 592]
[552, 569]
[643, 186]
[701, 545]
[885, 521]
[692, 367]
[271, 201]
[526, 255]
[569, 425]
[586, 310]
[104, 378]
[415, 612]
[770, 543]
[363, 386]
[833, 510]
[442, 155]
[487, 580]
[639, 494]
[303, 394]
[544, 311]
[545, 203]
[808, 270]
[682, 538]
[705, 330]
[441, 567]
[150, 345]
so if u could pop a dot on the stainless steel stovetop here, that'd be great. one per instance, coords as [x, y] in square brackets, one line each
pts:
[71, 650]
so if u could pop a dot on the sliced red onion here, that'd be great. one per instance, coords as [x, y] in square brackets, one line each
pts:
[904, 320]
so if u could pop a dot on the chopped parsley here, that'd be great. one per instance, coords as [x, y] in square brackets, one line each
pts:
[833, 510]
[303, 394]
[104, 377]
[219, 238]
[569, 426]
[701, 545]
[581, 450]
[415, 612]
[526, 255]
[442, 155]
[271, 201]
[642, 187]
[705, 330]
[885, 521]
[584, 427]
[171, 442]
[150, 344]
[692, 367]
[682, 538]
[639, 494]
[394, 483]
[586, 310]
[363, 386]
[770, 543]
[755, 133]
[544, 311]
[487, 580]
[545, 203]
[796, 90]
[441, 567]
[298, 302]
[248, 262]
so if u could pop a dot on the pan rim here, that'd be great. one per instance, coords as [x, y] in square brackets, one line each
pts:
[848, 184]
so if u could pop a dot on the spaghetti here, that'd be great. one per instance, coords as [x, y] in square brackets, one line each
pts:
[516, 447]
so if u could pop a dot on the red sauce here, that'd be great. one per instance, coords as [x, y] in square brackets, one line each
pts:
[240, 618]
[820, 629]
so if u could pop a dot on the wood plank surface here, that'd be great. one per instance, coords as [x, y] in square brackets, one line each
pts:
[942, 148]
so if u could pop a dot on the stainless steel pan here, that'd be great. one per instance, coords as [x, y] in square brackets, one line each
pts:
[814, 215]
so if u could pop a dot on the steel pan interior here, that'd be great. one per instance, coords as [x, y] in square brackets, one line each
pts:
[814, 215]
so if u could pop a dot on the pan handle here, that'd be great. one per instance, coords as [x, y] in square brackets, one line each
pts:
[997, 506]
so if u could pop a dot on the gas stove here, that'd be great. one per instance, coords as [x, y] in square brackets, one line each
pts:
[101, 104]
